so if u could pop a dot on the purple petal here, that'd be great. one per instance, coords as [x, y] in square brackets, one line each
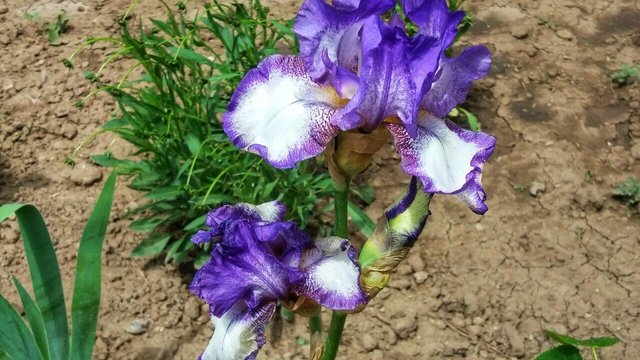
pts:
[331, 275]
[344, 81]
[446, 158]
[218, 219]
[437, 31]
[239, 333]
[424, 56]
[386, 87]
[434, 19]
[321, 28]
[455, 80]
[278, 112]
[242, 267]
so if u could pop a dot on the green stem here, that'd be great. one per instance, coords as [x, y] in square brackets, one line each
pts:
[315, 325]
[595, 354]
[340, 211]
[338, 319]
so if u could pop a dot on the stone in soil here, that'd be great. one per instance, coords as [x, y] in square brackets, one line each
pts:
[635, 151]
[565, 34]
[420, 277]
[515, 339]
[85, 174]
[368, 342]
[405, 326]
[137, 326]
[520, 31]
[536, 188]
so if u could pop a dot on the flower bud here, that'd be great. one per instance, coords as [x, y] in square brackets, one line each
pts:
[395, 234]
[352, 152]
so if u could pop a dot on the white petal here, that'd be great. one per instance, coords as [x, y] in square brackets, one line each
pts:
[332, 275]
[239, 333]
[278, 112]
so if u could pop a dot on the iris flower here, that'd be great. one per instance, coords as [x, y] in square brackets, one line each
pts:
[258, 260]
[358, 72]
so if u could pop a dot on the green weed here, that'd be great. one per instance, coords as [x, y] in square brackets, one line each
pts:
[626, 72]
[628, 192]
[170, 101]
[568, 349]
[57, 28]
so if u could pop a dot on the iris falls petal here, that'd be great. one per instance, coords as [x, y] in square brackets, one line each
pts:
[281, 114]
[446, 158]
[331, 275]
[239, 333]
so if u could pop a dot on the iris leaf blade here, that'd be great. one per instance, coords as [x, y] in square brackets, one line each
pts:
[35, 319]
[45, 275]
[86, 292]
[16, 340]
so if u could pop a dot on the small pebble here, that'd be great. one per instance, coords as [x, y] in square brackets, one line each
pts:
[537, 188]
[192, 308]
[137, 326]
[565, 34]
[421, 276]
[404, 327]
[84, 174]
[10, 235]
[520, 31]
[68, 131]
[635, 151]
[530, 50]
[368, 342]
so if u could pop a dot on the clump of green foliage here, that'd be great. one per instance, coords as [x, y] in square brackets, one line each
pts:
[626, 72]
[628, 192]
[569, 347]
[57, 28]
[184, 162]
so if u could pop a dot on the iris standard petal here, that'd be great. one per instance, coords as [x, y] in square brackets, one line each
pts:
[386, 88]
[446, 158]
[239, 333]
[331, 275]
[434, 19]
[455, 79]
[281, 114]
[322, 28]
[437, 31]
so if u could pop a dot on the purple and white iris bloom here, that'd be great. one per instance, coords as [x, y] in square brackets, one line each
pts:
[357, 72]
[263, 260]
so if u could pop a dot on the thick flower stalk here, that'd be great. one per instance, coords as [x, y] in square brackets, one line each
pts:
[396, 232]
[259, 260]
[360, 79]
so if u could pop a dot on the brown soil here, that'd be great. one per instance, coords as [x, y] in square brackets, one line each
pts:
[565, 258]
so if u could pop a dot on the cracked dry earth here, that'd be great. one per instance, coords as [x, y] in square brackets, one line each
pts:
[554, 251]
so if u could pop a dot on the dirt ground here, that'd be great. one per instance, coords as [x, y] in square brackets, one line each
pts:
[554, 251]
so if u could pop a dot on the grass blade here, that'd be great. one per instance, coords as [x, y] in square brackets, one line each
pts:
[361, 219]
[562, 352]
[35, 319]
[86, 291]
[45, 275]
[16, 340]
